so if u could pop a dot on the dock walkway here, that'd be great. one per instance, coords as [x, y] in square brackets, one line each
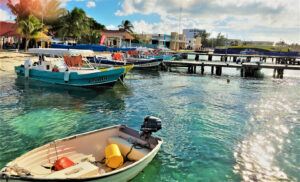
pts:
[247, 69]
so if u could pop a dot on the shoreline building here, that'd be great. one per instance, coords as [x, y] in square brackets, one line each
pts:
[190, 34]
[178, 41]
[8, 34]
[117, 38]
[174, 41]
[161, 40]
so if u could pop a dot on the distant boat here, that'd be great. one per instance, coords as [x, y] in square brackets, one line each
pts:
[116, 153]
[72, 70]
[139, 63]
[262, 50]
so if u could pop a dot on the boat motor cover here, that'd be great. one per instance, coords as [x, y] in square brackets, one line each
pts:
[151, 124]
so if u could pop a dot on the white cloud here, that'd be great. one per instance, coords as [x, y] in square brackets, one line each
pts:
[4, 15]
[90, 4]
[244, 19]
[111, 27]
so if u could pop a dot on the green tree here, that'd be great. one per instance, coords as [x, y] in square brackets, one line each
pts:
[137, 38]
[204, 38]
[92, 38]
[94, 25]
[234, 43]
[30, 28]
[221, 40]
[127, 26]
[73, 25]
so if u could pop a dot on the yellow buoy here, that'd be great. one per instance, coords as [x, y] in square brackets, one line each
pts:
[113, 156]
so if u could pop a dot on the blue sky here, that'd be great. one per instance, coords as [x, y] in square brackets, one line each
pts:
[261, 20]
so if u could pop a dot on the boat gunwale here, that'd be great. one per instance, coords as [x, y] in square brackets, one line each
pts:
[106, 175]
[122, 71]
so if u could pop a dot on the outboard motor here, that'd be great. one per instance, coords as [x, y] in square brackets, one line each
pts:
[151, 124]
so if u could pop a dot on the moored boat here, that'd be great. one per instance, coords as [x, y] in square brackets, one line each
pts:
[139, 63]
[116, 153]
[127, 69]
[71, 70]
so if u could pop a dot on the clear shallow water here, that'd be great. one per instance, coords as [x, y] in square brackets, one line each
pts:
[248, 129]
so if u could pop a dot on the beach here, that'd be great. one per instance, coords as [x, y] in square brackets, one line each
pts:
[8, 60]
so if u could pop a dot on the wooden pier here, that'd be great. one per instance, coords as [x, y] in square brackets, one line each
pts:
[235, 57]
[246, 69]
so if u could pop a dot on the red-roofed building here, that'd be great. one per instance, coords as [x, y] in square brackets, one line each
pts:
[8, 33]
[116, 37]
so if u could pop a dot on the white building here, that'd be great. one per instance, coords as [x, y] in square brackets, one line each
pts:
[190, 36]
[162, 40]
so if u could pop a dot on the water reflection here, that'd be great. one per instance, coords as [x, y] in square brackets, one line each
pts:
[256, 156]
[37, 95]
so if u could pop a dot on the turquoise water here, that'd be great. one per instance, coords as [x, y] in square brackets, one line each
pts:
[247, 129]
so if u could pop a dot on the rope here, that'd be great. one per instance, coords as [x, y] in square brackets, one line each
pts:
[136, 146]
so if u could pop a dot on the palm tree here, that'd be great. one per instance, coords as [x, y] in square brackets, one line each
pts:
[52, 12]
[126, 25]
[74, 24]
[30, 28]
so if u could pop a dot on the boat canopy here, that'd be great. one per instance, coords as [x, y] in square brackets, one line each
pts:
[52, 52]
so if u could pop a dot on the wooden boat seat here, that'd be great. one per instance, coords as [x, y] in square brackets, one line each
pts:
[39, 170]
[124, 146]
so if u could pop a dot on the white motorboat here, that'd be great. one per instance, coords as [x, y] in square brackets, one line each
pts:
[87, 153]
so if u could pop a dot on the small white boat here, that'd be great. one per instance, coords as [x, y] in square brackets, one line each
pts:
[88, 151]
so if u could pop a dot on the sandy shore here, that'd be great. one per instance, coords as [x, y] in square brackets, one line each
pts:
[8, 60]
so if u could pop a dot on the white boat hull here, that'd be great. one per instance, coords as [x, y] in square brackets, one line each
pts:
[81, 146]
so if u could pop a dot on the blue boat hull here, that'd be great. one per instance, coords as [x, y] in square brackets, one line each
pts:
[79, 80]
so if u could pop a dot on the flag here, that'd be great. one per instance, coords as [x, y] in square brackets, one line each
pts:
[102, 39]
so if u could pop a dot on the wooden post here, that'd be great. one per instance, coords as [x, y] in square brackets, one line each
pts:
[218, 70]
[202, 69]
[212, 70]
[197, 57]
[274, 72]
[210, 57]
[195, 69]
[242, 72]
[234, 59]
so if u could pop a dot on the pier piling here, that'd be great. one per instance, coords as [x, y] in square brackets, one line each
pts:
[210, 57]
[218, 70]
[202, 69]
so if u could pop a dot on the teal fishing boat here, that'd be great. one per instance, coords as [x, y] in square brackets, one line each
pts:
[67, 67]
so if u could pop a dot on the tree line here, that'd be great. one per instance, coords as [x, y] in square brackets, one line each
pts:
[35, 17]
[220, 40]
